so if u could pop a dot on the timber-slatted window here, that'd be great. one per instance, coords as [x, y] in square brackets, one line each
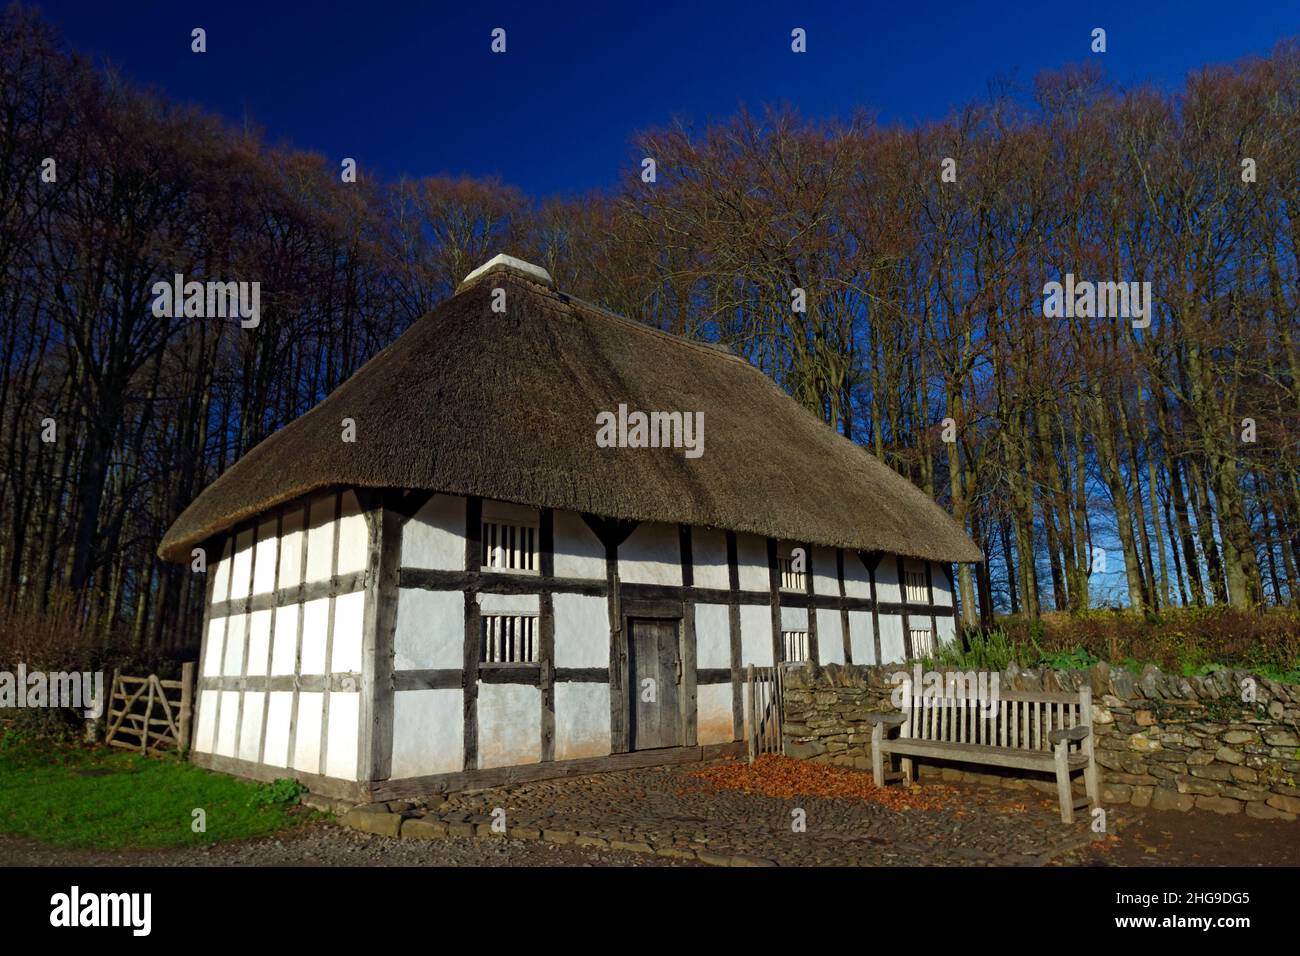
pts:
[508, 546]
[791, 580]
[922, 642]
[508, 639]
[795, 646]
[917, 592]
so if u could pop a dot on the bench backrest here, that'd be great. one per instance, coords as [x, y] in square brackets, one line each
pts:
[1012, 719]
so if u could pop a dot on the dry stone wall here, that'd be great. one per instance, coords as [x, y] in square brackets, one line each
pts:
[1170, 742]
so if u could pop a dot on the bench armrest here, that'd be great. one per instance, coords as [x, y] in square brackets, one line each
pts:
[1073, 733]
[887, 719]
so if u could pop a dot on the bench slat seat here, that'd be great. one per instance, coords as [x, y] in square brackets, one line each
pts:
[983, 754]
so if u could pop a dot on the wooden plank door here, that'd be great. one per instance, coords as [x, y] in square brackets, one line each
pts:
[655, 668]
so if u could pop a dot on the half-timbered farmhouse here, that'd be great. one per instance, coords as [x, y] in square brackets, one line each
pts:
[438, 576]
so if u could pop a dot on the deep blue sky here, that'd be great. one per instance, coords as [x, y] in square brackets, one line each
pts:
[409, 87]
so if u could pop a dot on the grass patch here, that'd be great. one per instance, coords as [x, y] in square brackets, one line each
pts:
[78, 797]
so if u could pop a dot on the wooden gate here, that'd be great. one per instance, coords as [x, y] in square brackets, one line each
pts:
[764, 710]
[150, 714]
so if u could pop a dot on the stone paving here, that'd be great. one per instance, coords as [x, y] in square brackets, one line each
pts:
[666, 812]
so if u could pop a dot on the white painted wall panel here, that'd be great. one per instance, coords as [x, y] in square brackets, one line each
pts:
[265, 557]
[250, 730]
[242, 570]
[435, 537]
[652, 554]
[892, 648]
[826, 578]
[709, 556]
[349, 623]
[794, 619]
[205, 734]
[887, 589]
[214, 651]
[861, 640]
[259, 641]
[428, 733]
[354, 537]
[713, 703]
[712, 635]
[320, 540]
[509, 603]
[755, 635]
[947, 629]
[341, 751]
[581, 720]
[830, 637]
[509, 725]
[233, 663]
[284, 652]
[291, 532]
[430, 629]
[221, 584]
[939, 580]
[315, 631]
[751, 556]
[278, 712]
[857, 582]
[306, 743]
[581, 630]
[578, 552]
[227, 723]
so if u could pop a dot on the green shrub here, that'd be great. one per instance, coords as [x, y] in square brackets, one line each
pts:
[281, 793]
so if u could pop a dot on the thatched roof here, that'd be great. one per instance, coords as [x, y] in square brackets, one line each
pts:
[474, 402]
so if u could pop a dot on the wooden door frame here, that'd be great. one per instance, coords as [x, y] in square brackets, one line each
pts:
[673, 612]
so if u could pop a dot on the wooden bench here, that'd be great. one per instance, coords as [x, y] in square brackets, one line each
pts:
[1025, 730]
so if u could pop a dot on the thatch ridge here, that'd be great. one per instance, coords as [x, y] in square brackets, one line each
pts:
[472, 402]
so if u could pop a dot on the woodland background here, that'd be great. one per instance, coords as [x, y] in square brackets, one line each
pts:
[924, 303]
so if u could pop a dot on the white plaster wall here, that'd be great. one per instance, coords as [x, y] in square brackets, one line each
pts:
[235, 633]
[341, 752]
[751, 558]
[826, 579]
[581, 630]
[892, 648]
[205, 734]
[581, 720]
[214, 648]
[315, 631]
[250, 731]
[221, 572]
[755, 635]
[242, 569]
[713, 720]
[652, 554]
[291, 531]
[939, 582]
[509, 725]
[435, 538]
[857, 582]
[354, 536]
[349, 625]
[227, 723]
[887, 589]
[509, 604]
[278, 713]
[794, 619]
[320, 539]
[861, 640]
[578, 552]
[430, 630]
[709, 557]
[830, 637]
[428, 732]
[284, 650]
[306, 744]
[947, 627]
[265, 557]
[259, 641]
[712, 636]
